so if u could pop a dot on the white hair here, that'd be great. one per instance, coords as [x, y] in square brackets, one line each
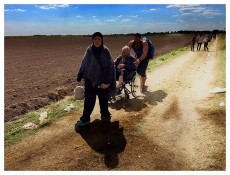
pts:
[126, 48]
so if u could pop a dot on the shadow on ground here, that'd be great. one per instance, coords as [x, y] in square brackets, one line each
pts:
[105, 137]
[151, 98]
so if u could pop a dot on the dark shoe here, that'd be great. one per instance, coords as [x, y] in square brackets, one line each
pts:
[103, 117]
[82, 123]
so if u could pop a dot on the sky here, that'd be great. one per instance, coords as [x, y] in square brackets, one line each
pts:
[82, 19]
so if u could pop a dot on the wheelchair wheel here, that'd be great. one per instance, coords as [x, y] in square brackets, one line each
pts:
[126, 97]
[135, 86]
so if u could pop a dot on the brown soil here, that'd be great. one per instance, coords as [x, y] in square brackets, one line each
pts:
[172, 131]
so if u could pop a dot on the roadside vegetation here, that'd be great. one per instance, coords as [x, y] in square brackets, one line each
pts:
[215, 110]
[14, 131]
[156, 62]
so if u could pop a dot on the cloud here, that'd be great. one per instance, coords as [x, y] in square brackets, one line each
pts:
[179, 20]
[110, 20]
[186, 14]
[45, 7]
[149, 10]
[211, 12]
[52, 6]
[119, 16]
[199, 9]
[194, 8]
[125, 19]
[16, 10]
[78, 16]
[182, 6]
[187, 7]
[94, 16]
[134, 16]
[61, 6]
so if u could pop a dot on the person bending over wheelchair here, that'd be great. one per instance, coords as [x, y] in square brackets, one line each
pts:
[124, 64]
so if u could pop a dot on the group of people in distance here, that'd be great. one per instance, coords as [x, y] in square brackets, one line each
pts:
[200, 40]
[98, 70]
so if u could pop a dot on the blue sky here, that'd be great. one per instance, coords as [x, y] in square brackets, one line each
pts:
[77, 19]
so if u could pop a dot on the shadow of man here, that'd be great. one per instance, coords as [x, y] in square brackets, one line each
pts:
[105, 137]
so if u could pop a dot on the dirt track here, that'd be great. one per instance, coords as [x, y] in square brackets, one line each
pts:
[171, 132]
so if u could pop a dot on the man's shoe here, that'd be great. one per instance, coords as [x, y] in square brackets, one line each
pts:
[103, 117]
[82, 123]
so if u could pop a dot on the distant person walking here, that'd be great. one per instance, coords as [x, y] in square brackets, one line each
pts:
[206, 40]
[199, 42]
[193, 43]
[98, 70]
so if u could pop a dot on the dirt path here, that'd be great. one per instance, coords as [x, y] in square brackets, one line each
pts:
[168, 133]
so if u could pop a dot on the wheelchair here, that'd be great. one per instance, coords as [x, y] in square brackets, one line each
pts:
[133, 81]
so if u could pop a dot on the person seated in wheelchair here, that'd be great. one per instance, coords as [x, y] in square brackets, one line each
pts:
[124, 64]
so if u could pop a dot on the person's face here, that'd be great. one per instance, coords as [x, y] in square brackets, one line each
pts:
[97, 41]
[136, 39]
[125, 53]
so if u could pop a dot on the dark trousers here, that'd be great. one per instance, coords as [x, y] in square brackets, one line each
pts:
[206, 46]
[142, 67]
[199, 46]
[192, 46]
[90, 99]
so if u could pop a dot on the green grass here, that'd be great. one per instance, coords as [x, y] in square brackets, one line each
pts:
[220, 76]
[221, 62]
[217, 114]
[14, 131]
[162, 59]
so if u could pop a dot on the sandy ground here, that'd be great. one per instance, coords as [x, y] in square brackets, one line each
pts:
[166, 128]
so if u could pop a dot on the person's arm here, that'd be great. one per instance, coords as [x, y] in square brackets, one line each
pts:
[82, 67]
[131, 44]
[107, 75]
[145, 50]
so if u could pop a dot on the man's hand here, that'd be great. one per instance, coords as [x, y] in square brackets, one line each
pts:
[136, 62]
[104, 86]
[79, 83]
[120, 66]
